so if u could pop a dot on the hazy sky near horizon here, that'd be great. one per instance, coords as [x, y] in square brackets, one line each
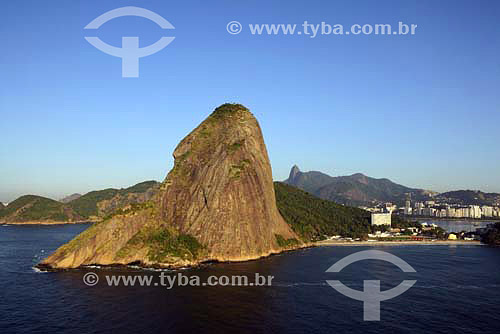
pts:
[421, 110]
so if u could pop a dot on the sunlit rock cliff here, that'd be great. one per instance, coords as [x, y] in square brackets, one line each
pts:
[217, 203]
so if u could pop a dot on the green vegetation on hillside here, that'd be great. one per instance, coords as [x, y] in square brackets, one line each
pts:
[236, 146]
[36, 208]
[313, 218]
[227, 109]
[86, 205]
[236, 170]
[163, 244]
[398, 222]
[139, 187]
[130, 209]
[286, 243]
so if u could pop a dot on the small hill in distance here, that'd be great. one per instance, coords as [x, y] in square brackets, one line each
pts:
[32, 208]
[93, 206]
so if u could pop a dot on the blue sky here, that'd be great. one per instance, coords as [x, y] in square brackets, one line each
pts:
[422, 110]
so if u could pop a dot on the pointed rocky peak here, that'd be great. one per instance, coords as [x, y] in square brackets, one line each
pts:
[216, 204]
[220, 190]
[294, 172]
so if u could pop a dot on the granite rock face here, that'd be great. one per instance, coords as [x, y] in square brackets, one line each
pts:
[217, 203]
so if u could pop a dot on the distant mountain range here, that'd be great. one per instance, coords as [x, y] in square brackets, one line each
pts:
[93, 206]
[353, 190]
[470, 197]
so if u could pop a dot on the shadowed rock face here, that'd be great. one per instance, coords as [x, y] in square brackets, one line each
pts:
[217, 203]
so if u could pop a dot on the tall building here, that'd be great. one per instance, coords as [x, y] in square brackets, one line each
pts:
[450, 212]
[419, 206]
[462, 213]
[408, 210]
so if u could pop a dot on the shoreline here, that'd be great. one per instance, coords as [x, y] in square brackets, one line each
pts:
[46, 223]
[158, 267]
[397, 243]
[43, 267]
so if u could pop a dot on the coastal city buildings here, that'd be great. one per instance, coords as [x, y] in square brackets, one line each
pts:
[438, 210]
[454, 211]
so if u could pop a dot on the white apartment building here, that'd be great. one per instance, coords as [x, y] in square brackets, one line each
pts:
[419, 206]
[381, 219]
[487, 211]
[475, 211]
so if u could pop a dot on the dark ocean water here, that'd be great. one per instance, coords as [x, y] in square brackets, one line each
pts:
[457, 291]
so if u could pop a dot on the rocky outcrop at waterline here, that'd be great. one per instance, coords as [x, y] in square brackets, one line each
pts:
[216, 204]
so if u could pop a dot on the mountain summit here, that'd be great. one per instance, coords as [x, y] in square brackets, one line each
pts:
[354, 190]
[217, 203]
[294, 172]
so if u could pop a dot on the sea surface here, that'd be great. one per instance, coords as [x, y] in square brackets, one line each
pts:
[457, 291]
